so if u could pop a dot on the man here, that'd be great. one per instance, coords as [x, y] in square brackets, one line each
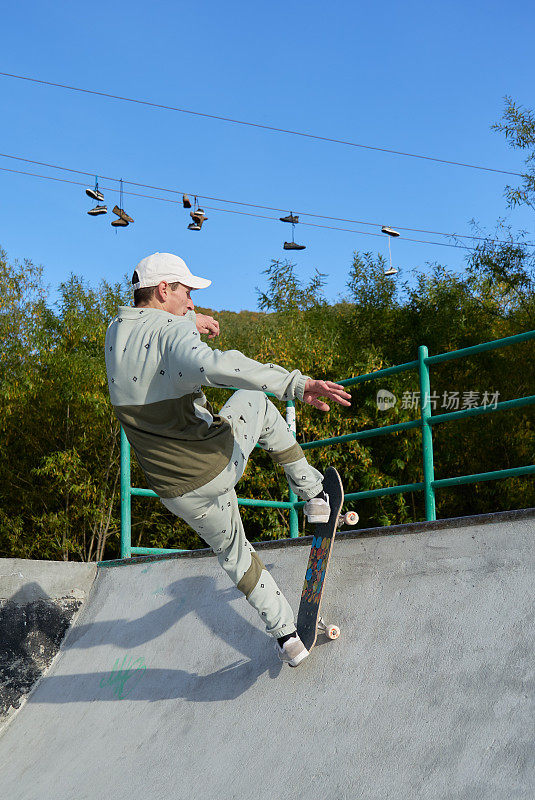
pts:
[191, 457]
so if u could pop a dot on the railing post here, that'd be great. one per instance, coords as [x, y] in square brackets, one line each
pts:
[294, 518]
[427, 434]
[126, 498]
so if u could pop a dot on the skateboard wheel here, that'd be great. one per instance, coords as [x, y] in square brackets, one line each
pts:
[351, 518]
[332, 631]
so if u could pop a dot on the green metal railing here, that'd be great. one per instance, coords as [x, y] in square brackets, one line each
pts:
[425, 423]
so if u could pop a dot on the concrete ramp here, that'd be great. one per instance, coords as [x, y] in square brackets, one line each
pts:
[167, 687]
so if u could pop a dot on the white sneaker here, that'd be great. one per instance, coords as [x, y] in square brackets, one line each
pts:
[318, 509]
[292, 652]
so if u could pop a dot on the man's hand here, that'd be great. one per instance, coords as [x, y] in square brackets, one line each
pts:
[206, 324]
[333, 391]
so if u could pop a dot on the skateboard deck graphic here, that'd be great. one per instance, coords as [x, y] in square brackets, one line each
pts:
[320, 553]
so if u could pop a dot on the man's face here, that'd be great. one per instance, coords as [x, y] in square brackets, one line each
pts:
[179, 300]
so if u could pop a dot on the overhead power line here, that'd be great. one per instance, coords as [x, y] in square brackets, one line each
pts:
[241, 203]
[337, 228]
[259, 125]
[258, 216]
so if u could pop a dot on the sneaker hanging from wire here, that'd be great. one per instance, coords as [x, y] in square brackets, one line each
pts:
[186, 202]
[292, 245]
[198, 216]
[194, 226]
[394, 234]
[119, 209]
[95, 194]
[390, 231]
[119, 223]
[94, 212]
[293, 218]
[122, 214]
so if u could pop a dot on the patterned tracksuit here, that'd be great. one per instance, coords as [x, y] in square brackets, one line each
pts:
[212, 510]
[191, 457]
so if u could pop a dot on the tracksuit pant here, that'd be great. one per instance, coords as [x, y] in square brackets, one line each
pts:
[212, 510]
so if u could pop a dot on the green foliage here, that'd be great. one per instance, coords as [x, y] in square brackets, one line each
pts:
[59, 437]
[502, 277]
[518, 125]
[285, 290]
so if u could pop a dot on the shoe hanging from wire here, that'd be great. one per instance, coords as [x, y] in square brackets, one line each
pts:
[293, 219]
[391, 233]
[96, 194]
[124, 219]
[186, 202]
[198, 217]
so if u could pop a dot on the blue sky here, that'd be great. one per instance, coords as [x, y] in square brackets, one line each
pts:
[421, 77]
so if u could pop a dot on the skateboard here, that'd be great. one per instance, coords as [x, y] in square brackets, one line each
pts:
[309, 621]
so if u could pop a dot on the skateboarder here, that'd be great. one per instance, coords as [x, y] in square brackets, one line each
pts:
[192, 457]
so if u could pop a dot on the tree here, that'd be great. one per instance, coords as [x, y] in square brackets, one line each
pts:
[518, 125]
[285, 290]
[59, 437]
[501, 274]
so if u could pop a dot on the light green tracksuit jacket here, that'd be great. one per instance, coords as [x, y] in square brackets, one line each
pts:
[156, 365]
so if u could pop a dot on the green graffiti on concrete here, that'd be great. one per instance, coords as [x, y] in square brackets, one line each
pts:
[128, 670]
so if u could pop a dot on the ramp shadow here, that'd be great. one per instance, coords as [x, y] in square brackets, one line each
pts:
[194, 595]
[216, 619]
[152, 685]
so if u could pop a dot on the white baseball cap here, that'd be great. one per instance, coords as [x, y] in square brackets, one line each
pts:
[166, 267]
